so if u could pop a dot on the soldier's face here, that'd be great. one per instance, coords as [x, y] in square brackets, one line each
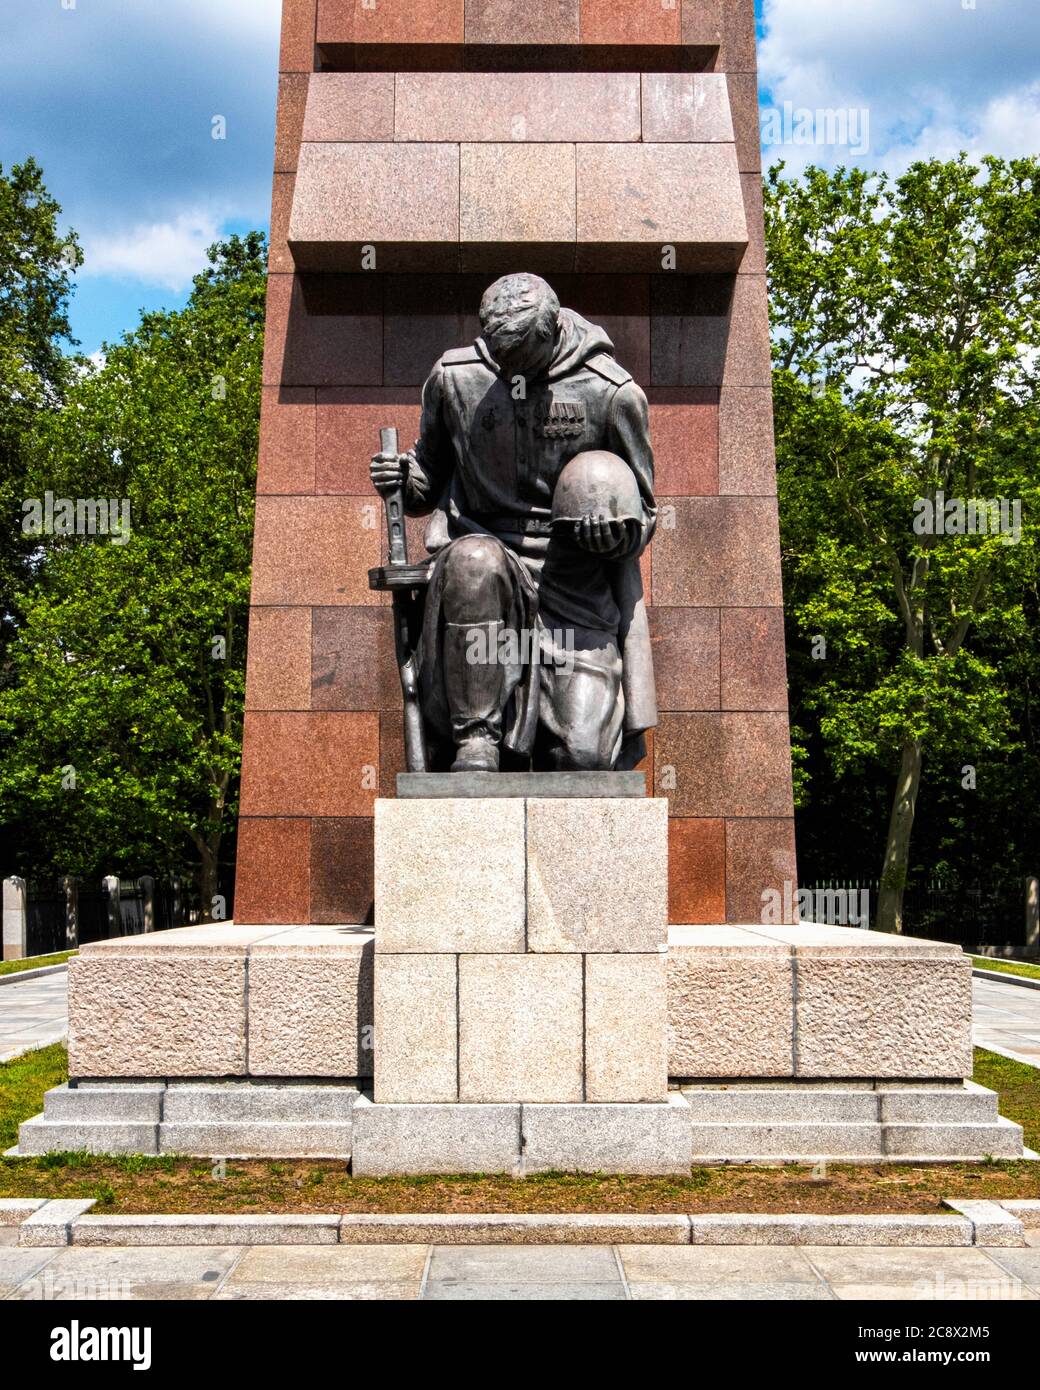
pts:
[526, 357]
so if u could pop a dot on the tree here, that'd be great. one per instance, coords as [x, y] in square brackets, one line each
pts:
[124, 720]
[36, 264]
[906, 360]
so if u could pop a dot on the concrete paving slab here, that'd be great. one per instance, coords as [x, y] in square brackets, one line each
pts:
[707, 1264]
[18, 1263]
[530, 1264]
[297, 1293]
[330, 1265]
[923, 1274]
[442, 1291]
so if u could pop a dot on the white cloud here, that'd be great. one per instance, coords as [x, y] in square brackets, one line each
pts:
[934, 76]
[159, 253]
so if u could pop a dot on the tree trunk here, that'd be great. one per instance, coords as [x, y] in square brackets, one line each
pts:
[208, 858]
[897, 847]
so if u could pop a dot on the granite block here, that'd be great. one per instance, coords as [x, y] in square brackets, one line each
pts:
[743, 105]
[717, 552]
[292, 102]
[626, 1028]
[730, 1004]
[710, 330]
[652, 1138]
[352, 662]
[51, 1224]
[657, 194]
[754, 662]
[449, 876]
[760, 860]
[619, 902]
[252, 1103]
[310, 1011]
[44, 1136]
[512, 195]
[324, 330]
[391, 1139]
[342, 886]
[535, 22]
[278, 665]
[520, 1028]
[382, 194]
[686, 657]
[409, 22]
[347, 425]
[883, 1016]
[286, 460]
[314, 551]
[517, 106]
[747, 461]
[336, 21]
[299, 18]
[732, 1228]
[688, 107]
[349, 106]
[712, 765]
[416, 1029]
[258, 1140]
[272, 874]
[503, 1228]
[684, 428]
[696, 870]
[754, 262]
[317, 764]
[163, 1012]
[622, 22]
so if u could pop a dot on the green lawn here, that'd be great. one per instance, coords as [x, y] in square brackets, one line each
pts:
[22, 1084]
[1006, 967]
[168, 1184]
[14, 967]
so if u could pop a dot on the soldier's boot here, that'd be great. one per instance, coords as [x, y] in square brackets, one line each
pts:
[474, 681]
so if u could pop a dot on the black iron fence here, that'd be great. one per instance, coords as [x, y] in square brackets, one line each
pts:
[62, 914]
[973, 913]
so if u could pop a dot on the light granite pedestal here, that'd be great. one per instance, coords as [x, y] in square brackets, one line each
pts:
[521, 983]
[523, 1030]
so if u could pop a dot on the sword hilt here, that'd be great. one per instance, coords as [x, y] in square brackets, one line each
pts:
[394, 504]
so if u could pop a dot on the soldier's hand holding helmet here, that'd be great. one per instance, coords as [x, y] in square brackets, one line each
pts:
[388, 472]
[597, 500]
[603, 535]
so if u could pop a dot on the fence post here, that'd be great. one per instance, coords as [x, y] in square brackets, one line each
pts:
[15, 920]
[146, 883]
[71, 887]
[176, 902]
[110, 886]
[1032, 917]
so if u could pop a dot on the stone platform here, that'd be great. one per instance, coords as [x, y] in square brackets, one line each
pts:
[787, 1042]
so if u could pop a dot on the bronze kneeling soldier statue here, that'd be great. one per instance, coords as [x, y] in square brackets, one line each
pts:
[524, 641]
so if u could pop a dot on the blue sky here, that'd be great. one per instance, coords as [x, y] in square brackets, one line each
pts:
[116, 99]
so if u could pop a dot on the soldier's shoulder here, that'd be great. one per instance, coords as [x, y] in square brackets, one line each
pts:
[460, 357]
[609, 368]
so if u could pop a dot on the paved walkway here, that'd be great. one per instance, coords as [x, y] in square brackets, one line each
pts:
[1007, 1019]
[33, 1013]
[559, 1272]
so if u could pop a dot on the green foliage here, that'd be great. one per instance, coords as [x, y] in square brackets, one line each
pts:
[907, 343]
[36, 264]
[119, 683]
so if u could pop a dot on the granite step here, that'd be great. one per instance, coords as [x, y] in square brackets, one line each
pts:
[41, 1136]
[107, 1104]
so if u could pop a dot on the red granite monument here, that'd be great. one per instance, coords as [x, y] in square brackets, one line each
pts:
[438, 145]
